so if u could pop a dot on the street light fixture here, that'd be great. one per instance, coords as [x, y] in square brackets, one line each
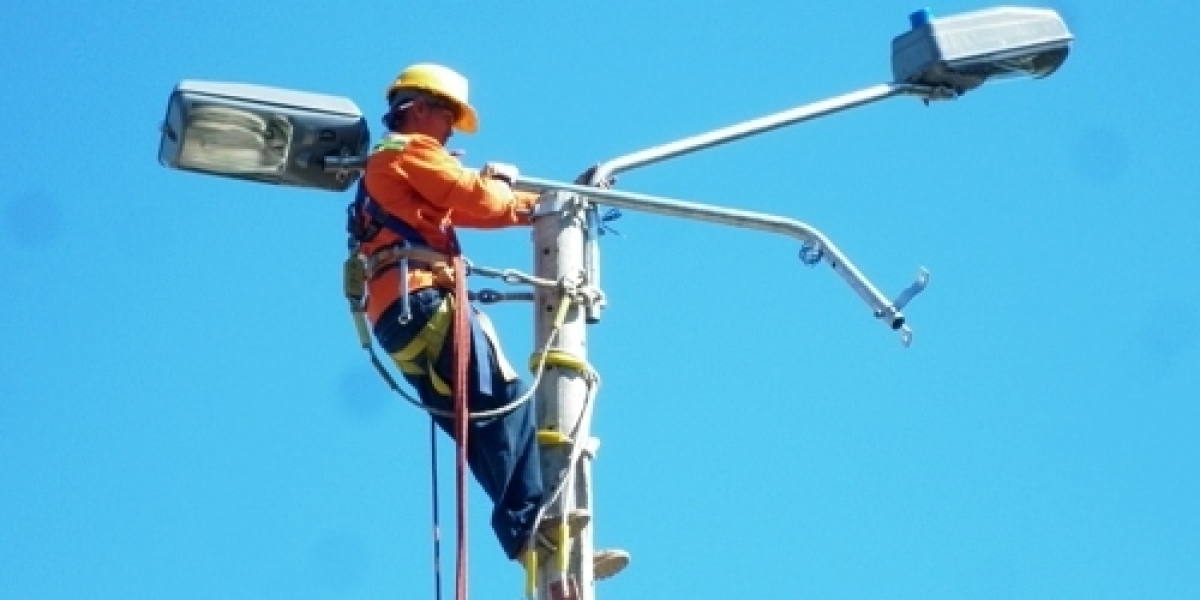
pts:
[962, 52]
[261, 134]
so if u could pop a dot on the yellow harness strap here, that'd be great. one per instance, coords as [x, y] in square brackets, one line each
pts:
[418, 357]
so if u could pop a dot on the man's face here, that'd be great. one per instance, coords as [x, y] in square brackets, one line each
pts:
[435, 117]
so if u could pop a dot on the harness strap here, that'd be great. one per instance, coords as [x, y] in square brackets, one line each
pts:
[407, 257]
[384, 218]
[419, 355]
[382, 257]
[378, 219]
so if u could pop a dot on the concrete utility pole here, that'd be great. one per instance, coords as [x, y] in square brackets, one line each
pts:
[564, 416]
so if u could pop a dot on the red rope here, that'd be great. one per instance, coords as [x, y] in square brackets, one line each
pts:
[462, 355]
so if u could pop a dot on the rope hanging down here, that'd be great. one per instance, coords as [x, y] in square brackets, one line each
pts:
[462, 357]
[437, 521]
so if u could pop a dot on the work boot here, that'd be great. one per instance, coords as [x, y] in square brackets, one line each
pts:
[605, 563]
[549, 528]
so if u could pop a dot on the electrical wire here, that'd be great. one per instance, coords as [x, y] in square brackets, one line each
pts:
[437, 522]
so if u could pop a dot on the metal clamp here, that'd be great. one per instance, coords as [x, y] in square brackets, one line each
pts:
[509, 276]
[489, 296]
[892, 312]
[405, 303]
[577, 289]
[553, 204]
[911, 291]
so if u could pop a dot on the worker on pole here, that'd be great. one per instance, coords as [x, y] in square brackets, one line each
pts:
[413, 194]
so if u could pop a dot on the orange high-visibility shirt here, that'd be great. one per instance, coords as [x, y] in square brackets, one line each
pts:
[413, 178]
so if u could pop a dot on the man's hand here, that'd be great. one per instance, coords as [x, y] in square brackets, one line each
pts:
[502, 171]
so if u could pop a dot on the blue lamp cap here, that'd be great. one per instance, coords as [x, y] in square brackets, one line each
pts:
[920, 18]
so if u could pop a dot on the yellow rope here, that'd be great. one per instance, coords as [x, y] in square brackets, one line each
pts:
[552, 437]
[559, 358]
[530, 561]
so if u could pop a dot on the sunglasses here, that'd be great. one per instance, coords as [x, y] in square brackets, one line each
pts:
[439, 103]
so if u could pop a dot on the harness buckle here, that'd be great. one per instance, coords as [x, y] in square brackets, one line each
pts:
[405, 305]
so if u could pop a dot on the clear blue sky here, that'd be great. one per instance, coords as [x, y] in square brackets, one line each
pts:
[184, 412]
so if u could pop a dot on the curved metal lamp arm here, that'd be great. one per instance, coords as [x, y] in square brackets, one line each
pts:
[603, 173]
[886, 310]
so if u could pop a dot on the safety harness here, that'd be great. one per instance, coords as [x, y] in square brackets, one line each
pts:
[365, 219]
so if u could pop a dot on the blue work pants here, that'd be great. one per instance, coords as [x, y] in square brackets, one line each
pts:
[502, 451]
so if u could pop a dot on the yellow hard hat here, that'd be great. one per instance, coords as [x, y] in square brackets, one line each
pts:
[440, 81]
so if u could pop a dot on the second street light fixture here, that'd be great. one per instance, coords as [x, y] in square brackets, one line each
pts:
[938, 59]
[962, 52]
